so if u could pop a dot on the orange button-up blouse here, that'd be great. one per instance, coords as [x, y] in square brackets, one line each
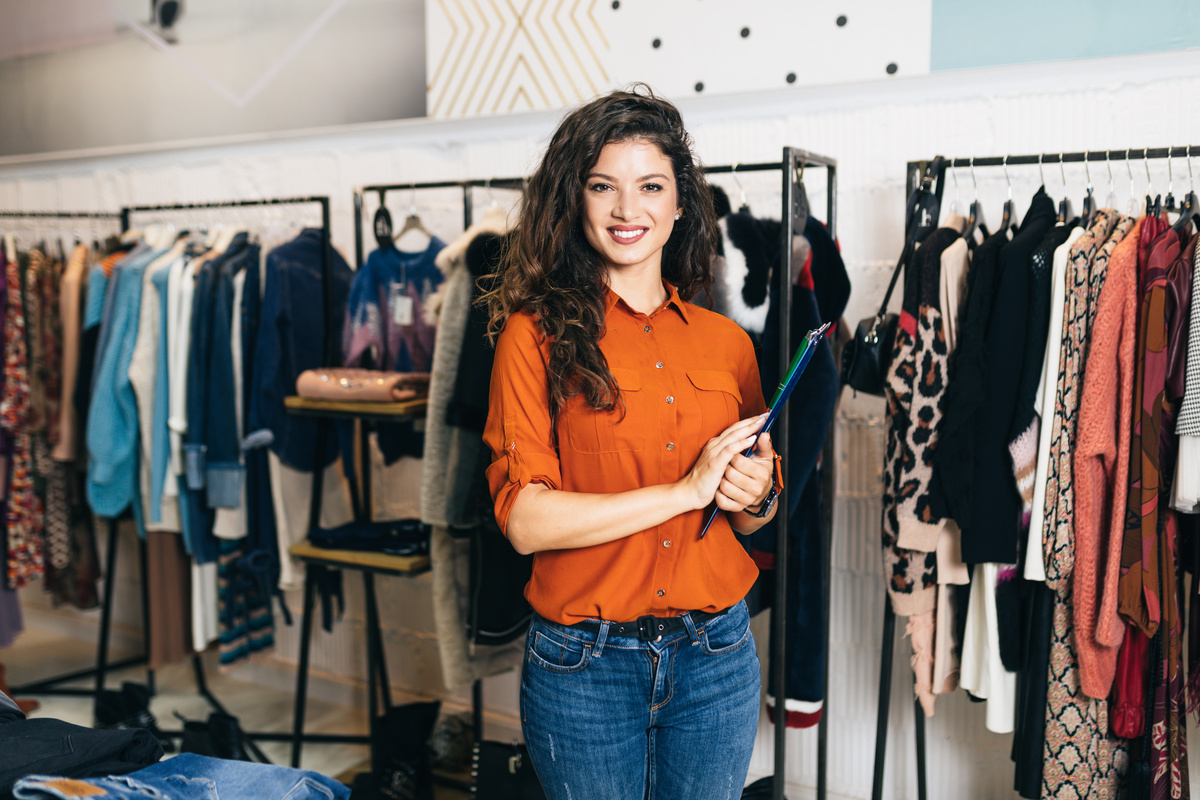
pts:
[685, 374]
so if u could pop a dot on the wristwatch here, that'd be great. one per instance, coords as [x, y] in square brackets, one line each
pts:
[767, 505]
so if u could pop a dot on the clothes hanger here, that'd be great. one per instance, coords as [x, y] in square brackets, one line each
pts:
[1189, 210]
[413, 223]
[974, 212]
[1089, 199]
[1065, 212]
[1009, 215]
[1111, 200]
[800, 201]
[1169, 202]
[744, 208]
[1132, 209]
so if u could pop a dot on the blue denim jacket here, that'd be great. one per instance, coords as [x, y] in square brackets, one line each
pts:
[291, 339]
[112, 429]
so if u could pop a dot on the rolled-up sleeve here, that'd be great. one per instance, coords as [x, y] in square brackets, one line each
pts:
[519, 430]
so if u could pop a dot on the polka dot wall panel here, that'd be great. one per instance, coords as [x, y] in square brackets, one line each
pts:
[505, 56]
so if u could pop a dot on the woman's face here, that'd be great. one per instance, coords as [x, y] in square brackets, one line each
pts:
[630, 203]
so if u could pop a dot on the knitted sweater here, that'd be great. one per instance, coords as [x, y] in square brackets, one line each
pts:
[1023, 437]
[1085, 278]
[1102, 470]
[927, 354]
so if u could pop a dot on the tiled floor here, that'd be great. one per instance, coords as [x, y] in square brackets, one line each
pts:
[40, 655]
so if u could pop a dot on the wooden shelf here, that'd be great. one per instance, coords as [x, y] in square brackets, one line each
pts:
[345, 409]
[369, 560]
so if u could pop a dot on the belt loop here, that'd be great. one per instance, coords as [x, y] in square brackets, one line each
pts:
[691, 627]
[600, 637]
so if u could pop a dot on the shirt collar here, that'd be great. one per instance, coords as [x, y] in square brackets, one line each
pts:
[673, 299]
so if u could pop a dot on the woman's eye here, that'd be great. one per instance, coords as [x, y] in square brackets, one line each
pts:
[653, 187]
[599, 187]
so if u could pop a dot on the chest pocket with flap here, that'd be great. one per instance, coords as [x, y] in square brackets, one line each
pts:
[719, 398]
[591, 431]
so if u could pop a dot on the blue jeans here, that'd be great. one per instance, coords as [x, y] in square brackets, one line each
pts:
[617, 718]
[193, 777]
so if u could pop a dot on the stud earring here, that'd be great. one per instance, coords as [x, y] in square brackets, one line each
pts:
[677, 216]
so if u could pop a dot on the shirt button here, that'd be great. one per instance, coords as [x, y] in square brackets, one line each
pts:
[658, 365]
[661, 592]
[646, 329]
[670, 445]
[670, 399]
[666, 542]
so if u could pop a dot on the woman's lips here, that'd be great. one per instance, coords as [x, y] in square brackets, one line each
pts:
[623, 235]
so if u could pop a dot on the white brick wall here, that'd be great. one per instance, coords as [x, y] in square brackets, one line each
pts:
[873, 129]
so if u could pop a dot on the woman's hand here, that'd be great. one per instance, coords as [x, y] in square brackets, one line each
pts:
[748, 480]
[707, 476]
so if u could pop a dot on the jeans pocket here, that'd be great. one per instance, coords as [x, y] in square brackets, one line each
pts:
[309, 789]
[555, 650]
[726, 633]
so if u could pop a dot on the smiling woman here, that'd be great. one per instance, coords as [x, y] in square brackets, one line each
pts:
[618, 412]
[630, 209]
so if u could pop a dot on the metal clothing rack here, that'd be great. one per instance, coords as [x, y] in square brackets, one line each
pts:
[329, 355]
[791, 166]
[930, 172]
[466, 186]
[51, 686]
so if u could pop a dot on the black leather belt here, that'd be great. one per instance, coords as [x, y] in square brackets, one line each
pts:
[649, 628]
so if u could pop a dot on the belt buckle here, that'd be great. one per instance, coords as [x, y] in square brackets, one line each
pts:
[646, 628]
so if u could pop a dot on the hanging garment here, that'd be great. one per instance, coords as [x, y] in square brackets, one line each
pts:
[386, 325]
[291, 339]
[742, 271]
[995, 516]
[1086, 271]
[810, 416]
[1081, 758]
[1169, 764]
[24, 557]
[982, 673]
[1023, 437]
[462, 662]
[71, 310]
[1077, 726]
[1035, 562]
[1186, 494]
[112, 434]
[143, 377]
[1139, 584]
[1101, 470]
[1029, 732]
[954, 460]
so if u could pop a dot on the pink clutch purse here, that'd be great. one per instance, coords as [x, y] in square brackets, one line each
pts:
[345, 383]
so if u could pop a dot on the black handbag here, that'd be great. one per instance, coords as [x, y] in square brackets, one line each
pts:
[866, 357]
[504, 772]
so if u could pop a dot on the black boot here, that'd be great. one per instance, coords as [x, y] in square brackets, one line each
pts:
[228, 741]
[405, 768]
[137, 704]
[196, 738]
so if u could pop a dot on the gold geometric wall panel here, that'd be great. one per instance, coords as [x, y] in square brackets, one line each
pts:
[502, 56]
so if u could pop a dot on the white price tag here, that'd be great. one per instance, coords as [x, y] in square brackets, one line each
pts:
[402, 308]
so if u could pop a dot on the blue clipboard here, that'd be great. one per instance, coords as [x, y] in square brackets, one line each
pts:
[804, 354]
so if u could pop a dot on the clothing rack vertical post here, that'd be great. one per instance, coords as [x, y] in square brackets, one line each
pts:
[916, 172]
[50, 685]
[466, 187]
[330, 348]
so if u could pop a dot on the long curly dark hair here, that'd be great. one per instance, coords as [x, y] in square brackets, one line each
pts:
[551, 271]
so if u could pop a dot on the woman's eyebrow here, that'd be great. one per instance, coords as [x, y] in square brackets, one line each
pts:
[639, 180]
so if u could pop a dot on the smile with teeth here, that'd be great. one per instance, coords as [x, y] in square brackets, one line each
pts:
[627, 234]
